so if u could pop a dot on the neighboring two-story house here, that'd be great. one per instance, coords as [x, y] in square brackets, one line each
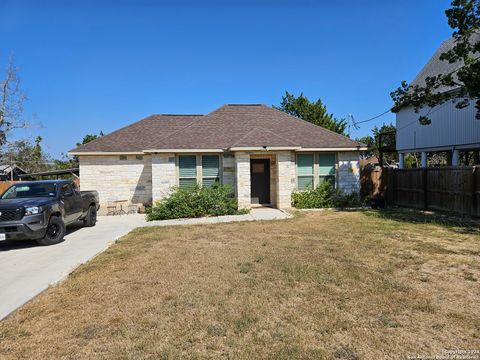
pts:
[451, 130]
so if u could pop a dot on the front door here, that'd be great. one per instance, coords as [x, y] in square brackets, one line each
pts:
[260, 181]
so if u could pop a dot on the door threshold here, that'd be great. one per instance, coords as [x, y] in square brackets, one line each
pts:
[256, 206]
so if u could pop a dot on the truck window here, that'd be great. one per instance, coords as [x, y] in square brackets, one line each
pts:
[66, 189]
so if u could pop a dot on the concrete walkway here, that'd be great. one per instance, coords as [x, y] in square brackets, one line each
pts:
[27, 269]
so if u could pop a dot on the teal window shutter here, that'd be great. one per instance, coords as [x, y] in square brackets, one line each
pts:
[326, 167]
[305, 171]
[187, 166]
[210, 170]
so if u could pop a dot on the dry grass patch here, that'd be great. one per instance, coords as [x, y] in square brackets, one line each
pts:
[333, 285]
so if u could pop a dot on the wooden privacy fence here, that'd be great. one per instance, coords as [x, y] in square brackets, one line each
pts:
[455, 189]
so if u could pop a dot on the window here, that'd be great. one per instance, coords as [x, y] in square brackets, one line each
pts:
[123, 157]
[326, 167]
[187, 171]
[66, 190]
[139, 157]
[210, 170]
[305, 171]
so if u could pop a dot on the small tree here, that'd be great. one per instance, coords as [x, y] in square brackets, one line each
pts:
[314, 112]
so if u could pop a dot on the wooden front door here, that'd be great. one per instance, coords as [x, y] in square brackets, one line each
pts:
[260, 181]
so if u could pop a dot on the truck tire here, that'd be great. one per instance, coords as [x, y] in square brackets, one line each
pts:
[54, 233]
[91, 218]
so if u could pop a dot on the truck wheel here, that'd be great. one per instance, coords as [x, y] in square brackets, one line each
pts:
[54, 233]
[91, 218]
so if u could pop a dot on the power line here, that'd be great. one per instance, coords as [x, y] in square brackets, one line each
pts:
[355, 123]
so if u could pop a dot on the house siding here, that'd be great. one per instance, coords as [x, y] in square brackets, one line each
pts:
[286, 182]
[348, 171]
[164, 175]
[116, 179]
[450, 127]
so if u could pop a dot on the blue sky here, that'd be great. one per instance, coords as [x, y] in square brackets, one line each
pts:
[98, 65]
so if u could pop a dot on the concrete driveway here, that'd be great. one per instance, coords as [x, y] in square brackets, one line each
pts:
[26, 269]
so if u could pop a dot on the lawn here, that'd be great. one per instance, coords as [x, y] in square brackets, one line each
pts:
[333, 285]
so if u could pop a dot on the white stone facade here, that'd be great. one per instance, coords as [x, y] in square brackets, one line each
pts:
[164, 175]
[348, 170]
[148, 178]
[242, 188]
[116, 179]
[286, 178]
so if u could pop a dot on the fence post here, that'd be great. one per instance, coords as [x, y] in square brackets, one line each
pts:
[474, 192]
[425, 189]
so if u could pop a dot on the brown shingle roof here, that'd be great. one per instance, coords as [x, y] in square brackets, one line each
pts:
[228, 126]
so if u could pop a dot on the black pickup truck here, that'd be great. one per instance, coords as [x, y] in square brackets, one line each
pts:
[41, 210]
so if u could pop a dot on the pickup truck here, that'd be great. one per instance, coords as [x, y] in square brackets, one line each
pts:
[41, 210]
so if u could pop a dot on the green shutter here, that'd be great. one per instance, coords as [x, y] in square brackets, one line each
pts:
[326, 164]
[210, 166]
[305, 164]
[187, 165]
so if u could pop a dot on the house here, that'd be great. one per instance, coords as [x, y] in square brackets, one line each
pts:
[10, 172]
[263, 153]
[451, 130]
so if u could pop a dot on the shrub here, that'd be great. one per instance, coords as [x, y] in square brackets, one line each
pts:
[324, 196]
[196, 202]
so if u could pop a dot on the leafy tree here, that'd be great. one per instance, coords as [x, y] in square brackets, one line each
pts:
[90, 137]
[28, 155]
[464, 18]
[67, 162]
[314, 112]
[387, 141]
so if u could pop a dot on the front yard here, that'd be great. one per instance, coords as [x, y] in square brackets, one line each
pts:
[334, 285]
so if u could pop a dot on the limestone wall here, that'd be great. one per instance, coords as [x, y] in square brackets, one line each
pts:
[116, 179]
[164, 175]
[349, 171]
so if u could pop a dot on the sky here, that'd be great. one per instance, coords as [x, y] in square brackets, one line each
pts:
[89, 66]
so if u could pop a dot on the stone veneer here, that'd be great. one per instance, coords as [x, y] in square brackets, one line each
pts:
[116, 179]
[349, 171]
[164, 175]
[286, 178]
[242, 188]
